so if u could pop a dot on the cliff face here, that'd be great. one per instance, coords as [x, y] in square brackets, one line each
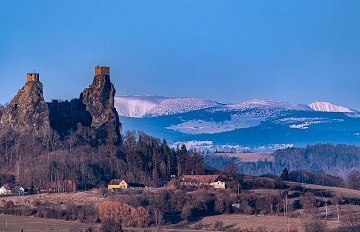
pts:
[27, 112]
[91, 119]
[99, 101]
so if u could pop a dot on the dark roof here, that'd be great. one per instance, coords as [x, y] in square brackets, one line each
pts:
[205, 179]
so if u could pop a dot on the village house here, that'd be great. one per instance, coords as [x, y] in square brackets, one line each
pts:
[4, 190]
[122, 184]
[20, 190]
[215, 181]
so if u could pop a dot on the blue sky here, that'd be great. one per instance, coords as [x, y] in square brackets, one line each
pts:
[231, 51]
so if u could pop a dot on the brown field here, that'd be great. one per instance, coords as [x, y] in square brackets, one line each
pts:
[267, 223]
[335, 190]
[30, 224]
[86, 197]
[249, 157]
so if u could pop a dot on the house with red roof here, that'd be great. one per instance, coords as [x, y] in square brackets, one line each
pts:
[200, 180]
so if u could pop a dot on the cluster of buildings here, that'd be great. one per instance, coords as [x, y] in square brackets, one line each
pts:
[215, 181]
[6, 190]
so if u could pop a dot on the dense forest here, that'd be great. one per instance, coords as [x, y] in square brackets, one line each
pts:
[337, 160]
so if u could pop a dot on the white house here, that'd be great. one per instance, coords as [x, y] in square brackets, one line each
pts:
[20, 191]
[3, 190]
[219, 184]
[215, 181]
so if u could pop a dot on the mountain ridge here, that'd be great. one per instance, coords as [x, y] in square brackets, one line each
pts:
[152, 106]
[254, 124]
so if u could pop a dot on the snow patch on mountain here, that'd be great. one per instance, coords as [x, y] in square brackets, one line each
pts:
[329, 107]
[211, 127]
[180, 105]
[265, 103]
[136, 106]
[301, 123]
[151, 106]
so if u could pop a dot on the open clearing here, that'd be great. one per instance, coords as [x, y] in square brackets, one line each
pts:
[30, 224]
[267, 223]
[85, 197]
[345, 192]
[235, 221]
[249, 157]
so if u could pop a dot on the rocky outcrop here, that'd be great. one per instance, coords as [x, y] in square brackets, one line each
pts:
[99, 101]
[90, 119]
[27, 113]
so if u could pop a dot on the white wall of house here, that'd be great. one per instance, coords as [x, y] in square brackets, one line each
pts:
[218, 184]
[3, 190]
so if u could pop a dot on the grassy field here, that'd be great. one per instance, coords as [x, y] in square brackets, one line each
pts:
[237, 221]
[234, 221]
[345, 192]
[249, 157]
[29, 224]
[266, 223]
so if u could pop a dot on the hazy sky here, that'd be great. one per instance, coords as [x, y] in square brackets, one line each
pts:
[231, 51]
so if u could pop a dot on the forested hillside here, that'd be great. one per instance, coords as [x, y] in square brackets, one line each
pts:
[336, 160]
[66, 165]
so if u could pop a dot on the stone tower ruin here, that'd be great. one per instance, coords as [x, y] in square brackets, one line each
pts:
[32, 77]
[101, 70]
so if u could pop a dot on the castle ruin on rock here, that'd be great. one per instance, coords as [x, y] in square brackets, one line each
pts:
[94, 109]
[27, 112]
[99, 99]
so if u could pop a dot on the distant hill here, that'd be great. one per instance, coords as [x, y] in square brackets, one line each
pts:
[337, 160]
[257, 124]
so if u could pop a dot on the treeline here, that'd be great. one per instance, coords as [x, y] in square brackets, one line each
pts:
[65, 166]
[336, 160]
[318, 178]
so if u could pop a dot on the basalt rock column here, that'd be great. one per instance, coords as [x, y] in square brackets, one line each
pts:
[99, 101]
[27, 112]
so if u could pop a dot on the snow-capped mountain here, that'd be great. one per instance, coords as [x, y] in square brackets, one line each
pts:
[329, 107]
[153, 106]
[265, 103]
[255, 123]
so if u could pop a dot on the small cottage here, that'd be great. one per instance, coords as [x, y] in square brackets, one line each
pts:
[122, 184]
[20, 190]
[3, 190]
[198, 180]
